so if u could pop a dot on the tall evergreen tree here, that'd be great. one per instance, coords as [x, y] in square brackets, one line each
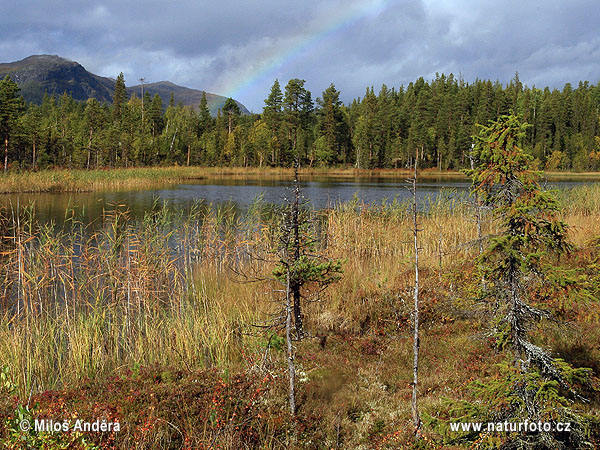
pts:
[119, 97]
[298, 107]
[232, 110]
[516, 267]
[273, 104]
[332, 127]
[10, 106]
[204, 117]
[272, 117]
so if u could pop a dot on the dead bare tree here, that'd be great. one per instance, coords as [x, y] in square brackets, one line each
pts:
[416, 342]
[296, 249]
[290, 347]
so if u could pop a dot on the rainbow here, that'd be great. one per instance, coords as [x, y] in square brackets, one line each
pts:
[325, 30]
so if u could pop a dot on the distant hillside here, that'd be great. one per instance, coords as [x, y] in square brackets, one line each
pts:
[182, 94]
[38, 74]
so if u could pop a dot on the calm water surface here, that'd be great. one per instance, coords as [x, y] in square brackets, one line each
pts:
[322, 192]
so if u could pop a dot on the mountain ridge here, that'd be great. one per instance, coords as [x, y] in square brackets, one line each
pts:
[53, 74]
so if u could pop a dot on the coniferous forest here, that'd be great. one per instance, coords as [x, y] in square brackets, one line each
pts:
[384, 129]
[440, 322]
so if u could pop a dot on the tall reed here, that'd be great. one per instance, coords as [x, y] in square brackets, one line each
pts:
[82, 300]
[85, 299]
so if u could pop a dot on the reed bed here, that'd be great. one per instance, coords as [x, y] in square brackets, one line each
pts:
[78, 303]
[83, 301]
[84, 181]
[67, 180]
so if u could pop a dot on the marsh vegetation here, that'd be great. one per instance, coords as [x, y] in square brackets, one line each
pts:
[183, 324]
[157, 298]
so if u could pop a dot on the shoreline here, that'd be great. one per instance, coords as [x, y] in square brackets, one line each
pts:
[77, 180]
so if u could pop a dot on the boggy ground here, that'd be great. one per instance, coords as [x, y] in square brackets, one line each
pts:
[169, 351]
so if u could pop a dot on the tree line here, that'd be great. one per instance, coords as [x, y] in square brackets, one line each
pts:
[433, 121]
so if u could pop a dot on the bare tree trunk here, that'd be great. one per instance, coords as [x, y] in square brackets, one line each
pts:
[478, 213]
[89, 155]
[5, 153]
[415, 410]
[478, 219]
[295, 287]
[290, 347]
[33, 162]
[172, 142]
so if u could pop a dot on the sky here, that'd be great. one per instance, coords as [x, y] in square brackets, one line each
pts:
[238, 48]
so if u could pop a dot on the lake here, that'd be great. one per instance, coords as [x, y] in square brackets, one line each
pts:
[239, 192]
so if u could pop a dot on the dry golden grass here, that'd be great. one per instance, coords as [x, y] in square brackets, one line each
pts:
[85, 305]
[123, 299]
[66, 180]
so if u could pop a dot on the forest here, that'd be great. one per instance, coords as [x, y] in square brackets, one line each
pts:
[380, 130]
[358, 326]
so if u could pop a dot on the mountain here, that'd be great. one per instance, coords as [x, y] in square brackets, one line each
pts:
[182, 94]
[38, 74]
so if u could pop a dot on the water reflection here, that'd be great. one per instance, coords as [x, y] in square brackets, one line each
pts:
[321, 191]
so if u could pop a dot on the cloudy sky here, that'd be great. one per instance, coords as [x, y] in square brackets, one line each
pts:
[238, 47]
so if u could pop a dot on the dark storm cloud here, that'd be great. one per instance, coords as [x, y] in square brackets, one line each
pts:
[241, 46]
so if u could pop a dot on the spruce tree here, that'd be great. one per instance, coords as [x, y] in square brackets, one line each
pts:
[518, 265]
[273, 103]
[119, 97]
[204, 117]
[272, 117]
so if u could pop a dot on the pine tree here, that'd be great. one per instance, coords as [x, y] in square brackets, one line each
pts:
[232, 110]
